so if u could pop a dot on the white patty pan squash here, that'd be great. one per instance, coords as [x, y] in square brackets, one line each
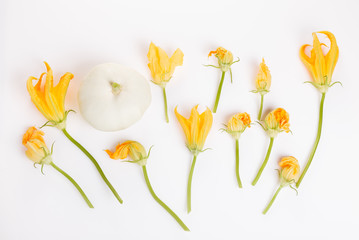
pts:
[113, 97]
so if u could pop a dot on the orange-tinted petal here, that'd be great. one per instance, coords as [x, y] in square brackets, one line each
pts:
[211, 53]
[131, 149]
[290, 168]
[282, 117]
[121, 152]
[239, 122]
[34, 142]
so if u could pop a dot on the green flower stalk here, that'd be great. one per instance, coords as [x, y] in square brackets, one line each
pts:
[137, 154]
[225, 61]
[321, 68]
[38, 152]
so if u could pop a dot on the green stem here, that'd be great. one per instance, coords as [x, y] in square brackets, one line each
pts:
[264, 162]
[165, 100]
[319, 132]
[237, 164]
[219, 93]
[261, 108]
[93, 160]
[271, 201]
[160, 201]
[74, 183]
[189, 184]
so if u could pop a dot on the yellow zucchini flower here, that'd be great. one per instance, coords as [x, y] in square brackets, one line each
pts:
[263, 83]
[50, 100]
[225, 58]
[277, 121]
[237, 124]
[288, 174]
[321, 67]
[132, 149]
[161, 66]
[235, 127]
[196, 128]
[37, 150]
[225, 61]
[137, 153]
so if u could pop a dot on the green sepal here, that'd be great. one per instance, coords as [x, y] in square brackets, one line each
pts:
[331, 85]
[264, 128]
[211, 66]
[235, 61]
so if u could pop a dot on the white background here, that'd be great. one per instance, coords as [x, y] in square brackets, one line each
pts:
[74, 36]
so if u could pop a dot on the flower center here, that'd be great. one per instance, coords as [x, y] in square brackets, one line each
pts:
[116, 88]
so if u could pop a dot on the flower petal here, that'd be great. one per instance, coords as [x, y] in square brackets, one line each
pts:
[59, 92]
[263, 80]
[50, 101]
[34, 142]
[194, 126]
[153, 64]
[176, 59]
[121, 152]
[320, 66]
[308, 61]
[37, 97]
[332, 56]
[205, 124]
[290, 168]
[186, 125]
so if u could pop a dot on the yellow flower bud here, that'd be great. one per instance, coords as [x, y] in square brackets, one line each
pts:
[225, 58]
[131, 149]
[37, 150]
[263, 80]
[237, 124]
[289, 170]
[277, 121]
